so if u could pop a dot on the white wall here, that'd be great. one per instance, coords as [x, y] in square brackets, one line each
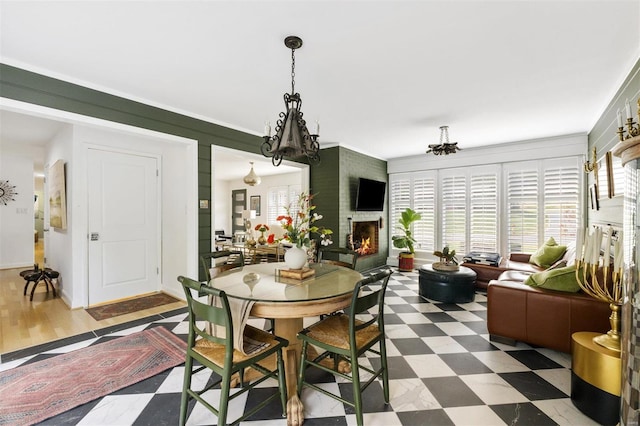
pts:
[59, 243]
[38, 206]
[16, 218]
[560, 146]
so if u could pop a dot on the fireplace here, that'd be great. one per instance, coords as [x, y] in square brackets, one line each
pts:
[364, 237]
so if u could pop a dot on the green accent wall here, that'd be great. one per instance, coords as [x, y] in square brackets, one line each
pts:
[603, 137]
[331, 178]
[335, 183]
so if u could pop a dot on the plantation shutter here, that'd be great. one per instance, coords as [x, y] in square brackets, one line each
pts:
[522, 209]
[483, 212]
[399, 199]
[454, 211]
[424, 196]
[279, 198]
[561, 200]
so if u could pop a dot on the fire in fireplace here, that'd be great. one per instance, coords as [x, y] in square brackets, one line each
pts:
[364, 237]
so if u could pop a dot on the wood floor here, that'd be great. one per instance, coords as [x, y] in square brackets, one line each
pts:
[24, 323]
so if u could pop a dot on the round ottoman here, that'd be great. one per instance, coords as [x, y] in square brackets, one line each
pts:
[447, 286]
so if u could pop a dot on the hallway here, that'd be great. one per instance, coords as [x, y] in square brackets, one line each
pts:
[24, 323]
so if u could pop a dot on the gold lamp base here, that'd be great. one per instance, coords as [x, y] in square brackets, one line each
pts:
[611, 341]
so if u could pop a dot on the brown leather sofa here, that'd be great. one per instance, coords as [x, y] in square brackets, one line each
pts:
[515, 262]
[541, 317]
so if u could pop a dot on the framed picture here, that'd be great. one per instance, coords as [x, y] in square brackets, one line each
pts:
[57, 196]
[254, 204]
[596, 196]
[609, 165]
[591, 199]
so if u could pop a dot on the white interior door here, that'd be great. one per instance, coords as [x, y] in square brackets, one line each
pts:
[123, 225]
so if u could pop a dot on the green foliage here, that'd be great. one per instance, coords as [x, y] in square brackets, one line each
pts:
[406, 240]
[449, 256]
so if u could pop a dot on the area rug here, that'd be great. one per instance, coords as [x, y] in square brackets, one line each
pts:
[34, 392]
[133, 305]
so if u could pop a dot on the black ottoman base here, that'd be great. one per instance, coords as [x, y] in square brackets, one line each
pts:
[447, 287]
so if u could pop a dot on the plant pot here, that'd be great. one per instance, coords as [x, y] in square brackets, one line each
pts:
[405, 262]
[295, 257]
[262, 240]
[447, 267]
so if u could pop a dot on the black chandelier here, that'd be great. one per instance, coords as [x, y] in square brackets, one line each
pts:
[292, 139]
[444, 147]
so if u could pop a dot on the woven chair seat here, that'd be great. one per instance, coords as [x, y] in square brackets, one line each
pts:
[332, 336]
[204, 352]
[334, 331]
[215, 351]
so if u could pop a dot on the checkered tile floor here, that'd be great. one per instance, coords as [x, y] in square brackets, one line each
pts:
[443, 371]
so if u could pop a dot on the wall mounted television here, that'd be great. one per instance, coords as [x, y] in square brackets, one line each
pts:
[370, 195]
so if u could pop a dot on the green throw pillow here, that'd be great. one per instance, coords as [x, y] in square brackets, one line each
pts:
[560, 279]
[547, 255]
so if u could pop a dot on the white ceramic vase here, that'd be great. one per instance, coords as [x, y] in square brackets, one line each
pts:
[295, 257]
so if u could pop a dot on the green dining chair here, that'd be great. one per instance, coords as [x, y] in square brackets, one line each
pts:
[218, 354]
[338, 256]
[218, 261]
[346, 337]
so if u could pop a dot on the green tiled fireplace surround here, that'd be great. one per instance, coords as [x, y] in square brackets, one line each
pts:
[341, 168]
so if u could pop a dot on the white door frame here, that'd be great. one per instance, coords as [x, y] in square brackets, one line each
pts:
[158, 207]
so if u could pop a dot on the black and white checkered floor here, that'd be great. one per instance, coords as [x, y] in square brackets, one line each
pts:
[443, 371]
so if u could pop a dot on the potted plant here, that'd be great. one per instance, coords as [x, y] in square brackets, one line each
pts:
[406, 240]
[448, 260]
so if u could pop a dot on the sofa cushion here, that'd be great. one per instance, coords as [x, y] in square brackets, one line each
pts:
[571, 254]
[560, 279]
[558, 264]
[513, 275]
[548, 253]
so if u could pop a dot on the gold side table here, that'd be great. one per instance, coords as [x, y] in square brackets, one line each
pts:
[595, 379]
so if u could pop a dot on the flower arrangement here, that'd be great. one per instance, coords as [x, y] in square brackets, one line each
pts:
[262, 227]
[299, 223]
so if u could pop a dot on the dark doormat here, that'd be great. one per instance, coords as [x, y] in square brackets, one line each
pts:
[126, 307]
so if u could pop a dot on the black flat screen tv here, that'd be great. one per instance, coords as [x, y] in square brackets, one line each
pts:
[370, 195]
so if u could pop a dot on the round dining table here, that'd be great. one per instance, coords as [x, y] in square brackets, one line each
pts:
[287, 301]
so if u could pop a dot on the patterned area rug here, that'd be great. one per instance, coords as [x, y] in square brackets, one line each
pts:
[121, 308]
[34, 392]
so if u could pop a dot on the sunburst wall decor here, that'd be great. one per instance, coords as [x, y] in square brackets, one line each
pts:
[7, 192]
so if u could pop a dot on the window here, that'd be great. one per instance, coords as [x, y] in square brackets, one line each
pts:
[561, 200]
[424, 198]
[471, 208]
[416, 191]
[543, 200]
[279, 198]
[453, 212]
[522, 209]
[483, 212]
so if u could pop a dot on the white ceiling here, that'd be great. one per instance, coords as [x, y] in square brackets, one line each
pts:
[380, 76]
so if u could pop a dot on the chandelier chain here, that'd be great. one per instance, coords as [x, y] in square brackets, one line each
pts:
[293, 71]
